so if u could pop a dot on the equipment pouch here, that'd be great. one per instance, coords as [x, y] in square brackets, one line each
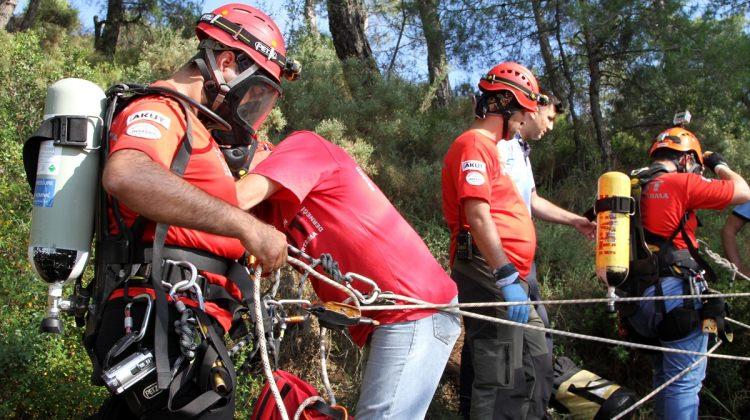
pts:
[464, 246]
[678, 323]
[716, 309]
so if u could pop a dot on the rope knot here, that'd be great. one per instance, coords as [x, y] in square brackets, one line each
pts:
[331, 267]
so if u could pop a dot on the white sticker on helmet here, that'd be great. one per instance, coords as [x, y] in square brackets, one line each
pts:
[154, 116]
[473, 165]
[144, 131]
[475, 178]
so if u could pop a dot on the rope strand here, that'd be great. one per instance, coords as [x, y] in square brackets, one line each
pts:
[666, 384]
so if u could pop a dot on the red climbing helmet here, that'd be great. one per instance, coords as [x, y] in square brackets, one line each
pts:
[518, 80]
[245, 28]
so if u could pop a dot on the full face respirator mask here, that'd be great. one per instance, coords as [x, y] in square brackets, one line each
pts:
[245, 106]
[245, 103]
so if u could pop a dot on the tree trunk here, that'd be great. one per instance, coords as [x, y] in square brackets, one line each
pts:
[392, 61]
[30, 16]
[311, 19]
[593, 61]
[7, 7]
[437, 59]
[106, 43]
[571, 93]
[551, 69]
[346, 19]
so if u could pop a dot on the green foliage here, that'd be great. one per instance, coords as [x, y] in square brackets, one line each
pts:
[57, 16]
[45, 376]
[699, 63]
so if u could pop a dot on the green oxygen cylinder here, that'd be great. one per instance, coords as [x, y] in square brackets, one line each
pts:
[65, 184]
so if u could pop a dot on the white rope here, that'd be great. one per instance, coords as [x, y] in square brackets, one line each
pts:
[539, 302]
[597, 339]
[719, 260]
[303, 266]
[260, 330]
[735, 322]
[324, 366]
[666, 384]
[306, 403]
[450, 308]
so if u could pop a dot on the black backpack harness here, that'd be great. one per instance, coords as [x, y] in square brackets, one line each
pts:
[653, 257]
[122, 260]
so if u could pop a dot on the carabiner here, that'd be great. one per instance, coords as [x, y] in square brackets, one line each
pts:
[146, 315]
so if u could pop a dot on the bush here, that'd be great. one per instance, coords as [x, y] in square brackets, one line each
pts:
[399, 145]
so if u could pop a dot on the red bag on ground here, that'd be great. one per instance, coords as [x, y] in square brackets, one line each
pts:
[293, 392]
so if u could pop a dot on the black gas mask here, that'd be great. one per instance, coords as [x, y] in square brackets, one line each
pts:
[245, 106]
[245, 103]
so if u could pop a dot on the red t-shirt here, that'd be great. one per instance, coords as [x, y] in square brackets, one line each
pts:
[155, 125]
[666, 199]
[327, 204]
[471, 169]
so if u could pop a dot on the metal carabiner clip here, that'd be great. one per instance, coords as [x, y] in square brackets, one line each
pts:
[186, 285]
[146, 315]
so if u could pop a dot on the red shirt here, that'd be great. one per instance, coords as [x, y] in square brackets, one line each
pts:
[471, 169]
[155, 125]
[327, 204]
[666, 199]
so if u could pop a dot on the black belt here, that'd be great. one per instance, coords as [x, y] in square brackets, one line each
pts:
[202, 260]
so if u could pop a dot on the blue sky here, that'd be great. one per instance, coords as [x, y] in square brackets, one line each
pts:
[88, 8]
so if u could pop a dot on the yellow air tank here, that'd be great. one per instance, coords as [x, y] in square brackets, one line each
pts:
[613, 210]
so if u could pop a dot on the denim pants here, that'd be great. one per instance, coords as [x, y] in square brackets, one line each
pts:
[680, 399]
[404, 366]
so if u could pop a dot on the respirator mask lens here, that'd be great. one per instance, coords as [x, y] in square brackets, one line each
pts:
[252, 100]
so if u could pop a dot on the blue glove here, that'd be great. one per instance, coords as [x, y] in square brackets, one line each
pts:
[515, 293]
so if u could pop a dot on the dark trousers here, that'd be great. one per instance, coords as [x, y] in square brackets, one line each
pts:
[506, 372]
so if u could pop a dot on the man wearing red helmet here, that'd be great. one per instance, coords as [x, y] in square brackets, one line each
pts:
[492, 248]
[667, 262]
[172, 200]
[316, 193]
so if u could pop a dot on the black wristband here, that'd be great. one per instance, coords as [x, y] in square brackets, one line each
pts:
[504, 271]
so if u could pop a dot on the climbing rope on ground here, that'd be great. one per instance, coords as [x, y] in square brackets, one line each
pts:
[653, 393]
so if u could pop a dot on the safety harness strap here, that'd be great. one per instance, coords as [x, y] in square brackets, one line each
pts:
[334, 412]
[710, 273]
[216, 361]
[625, 205]
[161, 320]
[63, 130]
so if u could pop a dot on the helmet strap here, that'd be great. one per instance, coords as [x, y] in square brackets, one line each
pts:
[506, 125]
[221, 85]
[210, 85]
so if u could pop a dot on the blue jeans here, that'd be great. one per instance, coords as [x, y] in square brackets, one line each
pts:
[404, 366]
[680, 399]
